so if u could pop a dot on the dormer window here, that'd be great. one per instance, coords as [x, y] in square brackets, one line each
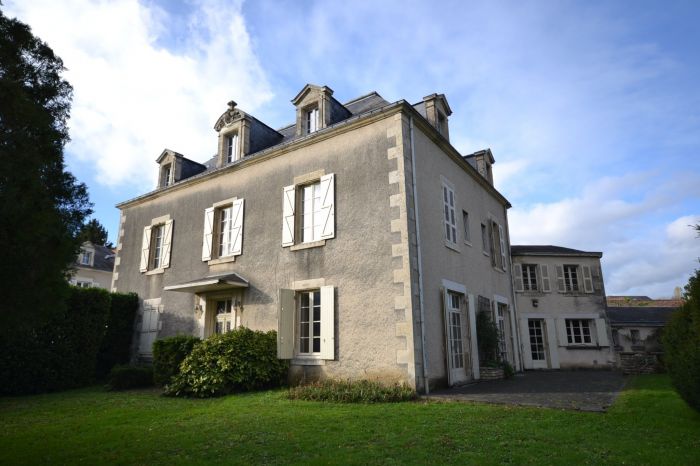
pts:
[86, 258]
[312, 120]
[441, 123]
[232, 148]
[166, 175]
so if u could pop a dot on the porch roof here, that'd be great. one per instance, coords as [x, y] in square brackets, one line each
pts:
[211, 283]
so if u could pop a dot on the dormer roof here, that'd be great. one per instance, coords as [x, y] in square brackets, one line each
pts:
[166, 152]
[308, 88]
[441, 98]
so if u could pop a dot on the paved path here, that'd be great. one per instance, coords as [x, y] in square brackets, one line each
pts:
[580, 390]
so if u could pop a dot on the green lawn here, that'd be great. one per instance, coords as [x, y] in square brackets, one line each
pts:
[648, 424]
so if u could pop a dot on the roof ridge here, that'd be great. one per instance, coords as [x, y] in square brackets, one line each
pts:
[357, 99]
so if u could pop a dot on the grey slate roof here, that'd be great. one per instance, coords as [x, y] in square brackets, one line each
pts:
[549, 250]
[643, 316]
[103, 260]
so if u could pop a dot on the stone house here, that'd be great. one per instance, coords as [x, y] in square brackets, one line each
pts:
[93, 267]
[560, 299]
[358, 232]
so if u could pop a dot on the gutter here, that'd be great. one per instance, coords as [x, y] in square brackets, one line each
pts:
[421, 306]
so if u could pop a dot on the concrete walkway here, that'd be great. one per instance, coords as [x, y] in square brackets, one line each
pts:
[579, 390]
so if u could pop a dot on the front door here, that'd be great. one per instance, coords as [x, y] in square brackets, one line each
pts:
[456, 361]
[538, 351]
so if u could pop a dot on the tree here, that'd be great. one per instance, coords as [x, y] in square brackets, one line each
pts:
[42, 206]
[95, 232]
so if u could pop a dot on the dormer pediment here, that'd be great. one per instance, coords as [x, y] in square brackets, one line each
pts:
[169, 154]
[311, 89]
[230, 116]
[317, 109]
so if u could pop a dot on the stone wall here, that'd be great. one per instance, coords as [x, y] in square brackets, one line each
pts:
[640, 363]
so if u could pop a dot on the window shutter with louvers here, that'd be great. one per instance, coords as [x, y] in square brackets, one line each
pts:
[145, 248]
[503, 247]
[208, 233]
[327, 322]
[587, 280]
[289, 201]
[328, 206]
[602, 331]
[518, 277]
[561, 284]
[285, 325]
[237, 219]
[544, 273]
[167, 241]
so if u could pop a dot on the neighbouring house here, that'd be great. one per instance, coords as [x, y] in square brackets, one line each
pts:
[358, 232]
[560, 299]
[636, 334]
[642, 301]
[93, 266]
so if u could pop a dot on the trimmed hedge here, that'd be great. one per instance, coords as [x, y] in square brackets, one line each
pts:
[236, 361]
[124, 377]
[362, 391]
[168, 354]
[681, 341]
[60, 352]
[116, 344]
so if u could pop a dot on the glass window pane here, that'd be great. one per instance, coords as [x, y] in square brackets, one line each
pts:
[317, 345]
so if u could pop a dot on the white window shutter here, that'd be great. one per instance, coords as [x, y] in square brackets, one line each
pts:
[587, 280]
[167, 241]
[561, 331]
[602, 331]
[446, 337]
[237, 219]
[527, 349]
[145, 248]
[328, 206]
[518, 275]
[327, 322]
[289, 193]
[544, 273]
[208, 233]
[503, 247]
[596, 272]
[560, 278]
[285, 324]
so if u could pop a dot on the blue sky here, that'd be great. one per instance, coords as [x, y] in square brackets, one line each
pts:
[592, 109]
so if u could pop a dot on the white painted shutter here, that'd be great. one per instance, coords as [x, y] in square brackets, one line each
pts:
[587, 280]
[518, 275]
[474, 347]
[544, 273]
[208, 233]
[561, 332]
[446, 338]
[289, 201]
[597, 280]
[149, 330]
[560, 278]
[527, 350]
[327, 322]
[237, 219]
[167, 241]
[145, 248]
[503, 247]
[551, 346]
[328, 206]
[285, 325]
[602, 330]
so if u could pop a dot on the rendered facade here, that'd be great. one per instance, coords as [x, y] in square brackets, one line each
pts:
[358, 232]
[561, 305]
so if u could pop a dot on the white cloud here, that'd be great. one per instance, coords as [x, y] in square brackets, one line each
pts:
[132, 96]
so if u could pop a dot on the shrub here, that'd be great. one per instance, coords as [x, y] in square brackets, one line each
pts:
[508, 370]
[240, 360]
[363, 391]
[124, 377]
[116, 344]
[487, 340]
[168, 354]
[681, 342]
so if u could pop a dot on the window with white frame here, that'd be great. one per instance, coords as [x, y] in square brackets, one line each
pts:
[536, 330]
[465, 225]
[232, 148]
[571, 277]
[530, 277]
[311, 120]
[86, 257]
[225, 319]
[306, 324]
[578, 331]
[309, 211]
[223, 230]
[166, 175]
[497, 245]
[83, 284]
[157, 239]
[448, 198]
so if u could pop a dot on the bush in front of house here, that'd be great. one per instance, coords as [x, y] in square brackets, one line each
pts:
[236, 361]
[116, 344]
[681, 342]
[487, 340]
[168, 354]
[361, 391]
[59, 352]
[124, 377]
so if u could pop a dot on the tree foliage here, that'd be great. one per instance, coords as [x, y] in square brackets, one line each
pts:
[42, 206]
[94, 232]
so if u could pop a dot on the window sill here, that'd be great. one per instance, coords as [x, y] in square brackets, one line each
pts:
[155, 271]
[222, 260]
[574, 294]
[452, 246]
[308, 361]
[468, 243]
[485, 253]
[532, 293]
[583, 347]
[314, 244]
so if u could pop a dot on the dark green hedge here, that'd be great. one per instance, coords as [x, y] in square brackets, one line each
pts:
[168, 354]
[116, 344]
[124, 377]
[60, 352]
[681, 342]
[237, 361]
[362, 391]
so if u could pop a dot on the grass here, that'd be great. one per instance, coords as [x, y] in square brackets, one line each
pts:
[648, 424]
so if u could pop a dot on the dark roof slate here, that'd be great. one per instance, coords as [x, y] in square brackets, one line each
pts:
[653, 316]
[103, 259]
[549, 250]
